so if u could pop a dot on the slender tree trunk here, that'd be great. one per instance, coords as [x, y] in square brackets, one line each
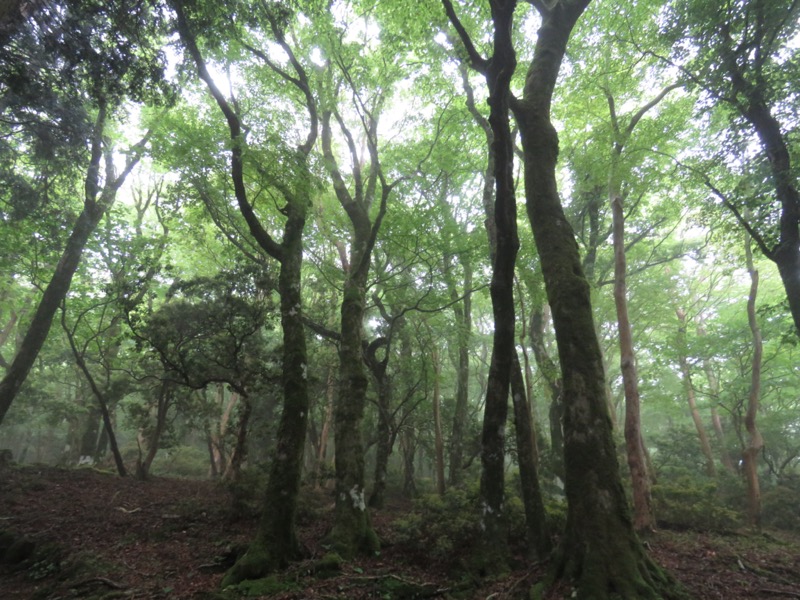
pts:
[163, 404]
[643, 517]
[688, 388]
[537, 533]
[716, 421]
[239, 453]
[408, 447]
[385, 437]
[437, 423]
[504, 243]
[600, 551]
[549, 370]
[322, 455]
[463, 315]
[755, 441]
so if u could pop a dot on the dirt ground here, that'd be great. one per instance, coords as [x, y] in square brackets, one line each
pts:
[89, 534]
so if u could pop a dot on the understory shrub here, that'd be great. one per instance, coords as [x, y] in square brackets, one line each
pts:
[693, 503]
[780, 508]
[181, 461]
[441, 527]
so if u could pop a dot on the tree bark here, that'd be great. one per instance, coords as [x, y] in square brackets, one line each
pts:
[498, 71]
[600, 551]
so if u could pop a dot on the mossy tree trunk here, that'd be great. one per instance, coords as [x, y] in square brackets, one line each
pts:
[600, 552]
[352, 532]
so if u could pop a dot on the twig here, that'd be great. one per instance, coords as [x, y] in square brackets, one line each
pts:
[103, 580]
[779, 593]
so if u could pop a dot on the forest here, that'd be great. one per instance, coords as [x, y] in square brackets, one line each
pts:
[508, 290]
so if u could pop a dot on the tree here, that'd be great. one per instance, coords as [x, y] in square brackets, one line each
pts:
[276, 541]
[67, 64]
[600, 550]
[741, 56]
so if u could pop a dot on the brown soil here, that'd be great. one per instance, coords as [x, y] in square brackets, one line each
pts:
[98, 536]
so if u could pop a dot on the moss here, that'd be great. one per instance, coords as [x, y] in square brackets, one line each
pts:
[254, 564]
[266, 586]
[329, 564]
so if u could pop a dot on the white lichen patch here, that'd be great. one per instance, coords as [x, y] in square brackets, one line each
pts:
[304, 367]
[357, 496]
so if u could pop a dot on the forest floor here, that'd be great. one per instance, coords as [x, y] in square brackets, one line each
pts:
[88, 534]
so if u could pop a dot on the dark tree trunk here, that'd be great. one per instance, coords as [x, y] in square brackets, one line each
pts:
[498, 72]
[599, 552]
[163, 404]
[438, 438]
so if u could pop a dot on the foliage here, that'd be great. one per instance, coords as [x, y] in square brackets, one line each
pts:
[692, 502]
[780, 508]
[182, 461]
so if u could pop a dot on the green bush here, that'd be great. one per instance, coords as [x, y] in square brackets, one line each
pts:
[780, 508]
[441, 527]
[693, 503]
[182, 461]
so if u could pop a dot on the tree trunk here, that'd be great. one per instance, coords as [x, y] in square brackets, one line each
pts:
[385, 437]
[164, 401]
[408, 447]
[643, 517]
[755, 441]
[463, 315]
[498, 70]
[322, 454]
[688, 388]
[600, 552]
[437, 423]
[552, 377]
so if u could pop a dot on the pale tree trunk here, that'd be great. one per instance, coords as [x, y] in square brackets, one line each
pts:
[437, 423]
[716, 421]
[643, 517]
[755, 442]
[688, 388]
[322, 453]
[463, 315]
[600, 552]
